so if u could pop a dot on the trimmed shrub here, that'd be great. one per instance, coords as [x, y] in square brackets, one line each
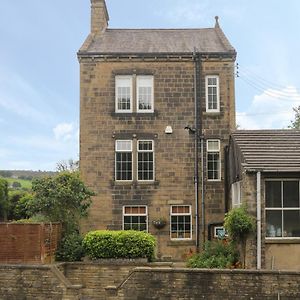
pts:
[216, 254]
[70, 248]
[119, 244]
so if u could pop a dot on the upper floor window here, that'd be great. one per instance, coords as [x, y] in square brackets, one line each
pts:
[123, 93]
[213, 160]
[134, 160]
[145, 160]
[144, 86]
[141, 101]
[123, 160]
[212, 90]
[282, 208]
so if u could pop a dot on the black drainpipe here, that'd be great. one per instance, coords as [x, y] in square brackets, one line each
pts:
[196, 136]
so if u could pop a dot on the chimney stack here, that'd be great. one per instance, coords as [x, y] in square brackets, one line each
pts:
[100, 17]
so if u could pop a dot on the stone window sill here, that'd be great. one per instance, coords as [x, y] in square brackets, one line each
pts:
[181, 243]
[135, 183]
[282, 241]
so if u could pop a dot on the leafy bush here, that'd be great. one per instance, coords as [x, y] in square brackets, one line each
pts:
[34, 219]
[70, 248]
[119, 244]
[216, 254]
[4, 204]
[239, 224]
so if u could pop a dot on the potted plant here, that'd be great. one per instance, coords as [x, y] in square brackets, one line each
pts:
[159, 223]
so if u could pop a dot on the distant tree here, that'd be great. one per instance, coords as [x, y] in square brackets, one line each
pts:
[6, 174]
[295, 124]
[69, 166]
[18, 204]
[62, 198]
[4, 205]
[16, 185]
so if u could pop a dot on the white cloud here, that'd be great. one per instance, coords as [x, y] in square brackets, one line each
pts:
[271, 109]
[64, 131]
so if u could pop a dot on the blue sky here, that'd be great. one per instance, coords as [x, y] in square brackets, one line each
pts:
[39, 72]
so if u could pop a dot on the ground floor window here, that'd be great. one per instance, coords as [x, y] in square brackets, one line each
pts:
[282, 208]
[135, 218]
[181, 222]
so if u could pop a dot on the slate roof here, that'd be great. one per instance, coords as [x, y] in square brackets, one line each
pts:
[158, 41]
[267, 150]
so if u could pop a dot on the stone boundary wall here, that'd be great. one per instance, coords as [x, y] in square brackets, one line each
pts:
[123, 280]
[28, 243]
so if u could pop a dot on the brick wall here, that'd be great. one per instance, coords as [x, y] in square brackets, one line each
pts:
[117, 281]
[28, 243]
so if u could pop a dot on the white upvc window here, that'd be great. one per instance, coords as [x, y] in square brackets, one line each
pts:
[212, 92]
[123, 92]
[135, 218]
[282, 197]
[144, 92]
[213, 160]
[145, 160]
[181, 222]
[236, 194]
[123, 160]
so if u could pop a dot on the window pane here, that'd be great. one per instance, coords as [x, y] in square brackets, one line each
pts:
[274, 223]
[123, 92]
[291, 223]
[213, 146]
[136, 221]
[291, 194]
[273, 194]
[123, 165]
[145, 161]
[145, 92]
[213, 166]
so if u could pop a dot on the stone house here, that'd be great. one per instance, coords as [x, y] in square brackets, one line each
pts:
[156, 110]
[264, 174]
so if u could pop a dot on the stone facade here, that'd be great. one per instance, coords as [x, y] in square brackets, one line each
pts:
[174, 105]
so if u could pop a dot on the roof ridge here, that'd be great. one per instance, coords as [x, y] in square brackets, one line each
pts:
[160, 29]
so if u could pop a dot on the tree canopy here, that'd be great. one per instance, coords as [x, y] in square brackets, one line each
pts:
[295, 124]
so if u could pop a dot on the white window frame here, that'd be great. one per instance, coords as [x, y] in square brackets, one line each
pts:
[236, 194]
[281, 208]
[213, 151]
[137, 215]
[117, 84]
[116, 151]
[138, 78]
[217, 110]
[137, 160]
[181, 214]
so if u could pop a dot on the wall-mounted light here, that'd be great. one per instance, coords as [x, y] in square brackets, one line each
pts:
[169, 130]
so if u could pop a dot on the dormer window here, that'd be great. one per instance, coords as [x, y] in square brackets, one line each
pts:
[212, 91]
[140, 101]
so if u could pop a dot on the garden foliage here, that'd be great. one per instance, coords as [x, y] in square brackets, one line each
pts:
[218, 254]
[119, 244]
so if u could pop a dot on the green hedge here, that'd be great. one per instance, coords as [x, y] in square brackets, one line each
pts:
[119, 244]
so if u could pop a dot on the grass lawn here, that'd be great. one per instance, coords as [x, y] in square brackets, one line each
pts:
[24, 183]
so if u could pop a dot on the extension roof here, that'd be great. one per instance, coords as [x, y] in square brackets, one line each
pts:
[267, 150]
[157, 41]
